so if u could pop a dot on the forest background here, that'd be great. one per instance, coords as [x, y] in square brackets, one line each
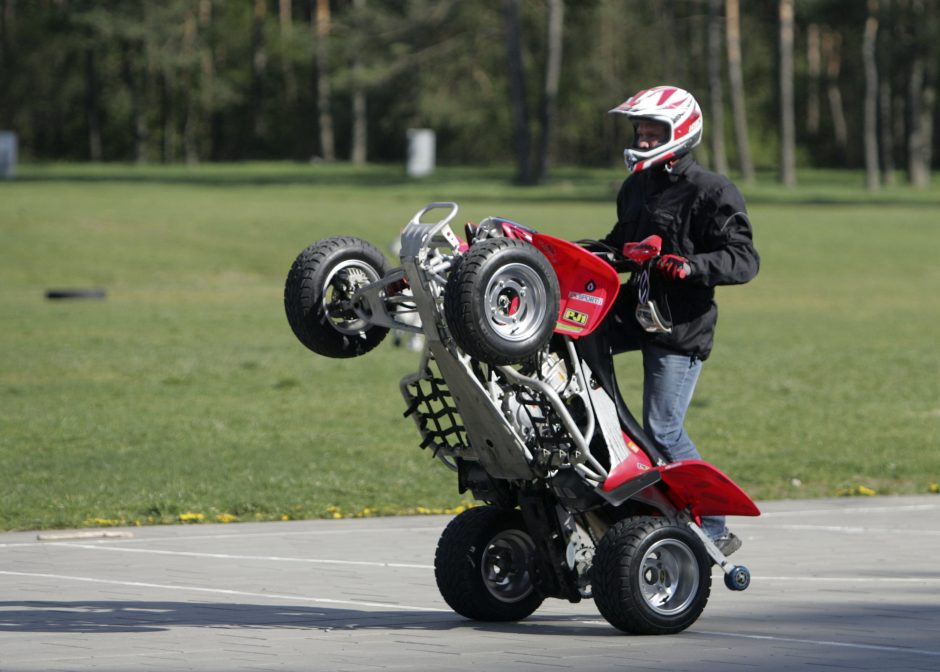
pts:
[788, 83]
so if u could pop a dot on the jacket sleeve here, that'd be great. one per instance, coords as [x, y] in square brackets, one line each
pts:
[725, 252]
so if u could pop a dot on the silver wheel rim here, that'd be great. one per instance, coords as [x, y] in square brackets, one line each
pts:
[669, 577]
[505, 566]
[341, 284]
[516, 302]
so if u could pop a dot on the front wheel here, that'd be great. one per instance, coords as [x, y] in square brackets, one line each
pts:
[318, 296]
[501, 303]
[651, 576]
[483, 565]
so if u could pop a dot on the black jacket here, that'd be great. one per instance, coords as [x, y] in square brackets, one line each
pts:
[700, 215]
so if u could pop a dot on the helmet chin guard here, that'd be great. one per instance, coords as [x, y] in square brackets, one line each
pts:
[672, 106]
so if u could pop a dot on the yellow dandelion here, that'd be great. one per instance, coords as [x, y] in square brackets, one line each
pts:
[226, 518]
[106, 522]
[862, 490]
[934, 487]
[190, 517]
[337, 514]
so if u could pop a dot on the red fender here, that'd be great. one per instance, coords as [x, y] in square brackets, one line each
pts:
[706, 489]
[588, 284]
[692, 483]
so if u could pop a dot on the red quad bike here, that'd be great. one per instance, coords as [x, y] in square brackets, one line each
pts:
[516, 393]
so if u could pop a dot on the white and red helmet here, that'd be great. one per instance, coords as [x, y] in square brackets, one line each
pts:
[672, 106]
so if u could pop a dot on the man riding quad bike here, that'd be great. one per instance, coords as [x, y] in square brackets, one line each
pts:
[515, 392]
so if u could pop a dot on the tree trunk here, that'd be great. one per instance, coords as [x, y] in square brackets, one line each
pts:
[814, 73]
[133, 75]
[736, 79]
[8, 41]
[6, 29]
[887, 132]
[360, 128]
[609, 42]
[521, 141]
[787, 111]
[671, 62]
[885, 98]
[360, 120]
[210, 117]
[91, 106]
[921, 102]
[556, 23]
[921, 98]
[167, 118]
[285, 17]
[191, 88]
[832, 52]
[259, 61]
[872, 176]
[325, 115]
[715, 94]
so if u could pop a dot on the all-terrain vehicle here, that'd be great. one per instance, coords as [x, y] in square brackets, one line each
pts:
[516, 393]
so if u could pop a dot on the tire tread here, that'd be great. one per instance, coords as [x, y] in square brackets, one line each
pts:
[302, 292]
[463, 287]
[457, 571]
[614, 575]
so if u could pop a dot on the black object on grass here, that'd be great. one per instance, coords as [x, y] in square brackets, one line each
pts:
[92, 293]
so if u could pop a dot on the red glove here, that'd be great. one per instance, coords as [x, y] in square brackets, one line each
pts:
[673, 266]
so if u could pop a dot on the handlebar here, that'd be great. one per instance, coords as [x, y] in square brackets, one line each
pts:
[611, 255]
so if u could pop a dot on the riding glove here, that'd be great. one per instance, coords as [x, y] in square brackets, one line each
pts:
[673, 266]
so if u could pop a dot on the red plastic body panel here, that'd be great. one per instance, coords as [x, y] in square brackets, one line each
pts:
[637, 464]
[706, 489]
[693, 483]
[588, 285]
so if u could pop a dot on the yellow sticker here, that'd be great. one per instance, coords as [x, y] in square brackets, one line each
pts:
[575, 316]
[567, 327]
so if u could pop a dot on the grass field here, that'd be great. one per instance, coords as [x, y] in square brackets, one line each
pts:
[184, 396]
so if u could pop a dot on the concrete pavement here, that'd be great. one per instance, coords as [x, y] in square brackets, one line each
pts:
[847, 584]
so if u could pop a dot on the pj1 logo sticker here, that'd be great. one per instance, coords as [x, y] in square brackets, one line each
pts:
[575, 316]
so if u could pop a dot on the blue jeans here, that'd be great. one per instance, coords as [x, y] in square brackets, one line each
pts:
[668, 383]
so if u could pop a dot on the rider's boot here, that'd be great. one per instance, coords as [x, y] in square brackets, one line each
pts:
[728, 543]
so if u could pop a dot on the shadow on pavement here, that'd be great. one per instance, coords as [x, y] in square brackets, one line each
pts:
[91, 616]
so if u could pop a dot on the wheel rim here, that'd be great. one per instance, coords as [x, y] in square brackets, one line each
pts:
[341, 284]
[516, 302]
[505, 566]
[669, 577]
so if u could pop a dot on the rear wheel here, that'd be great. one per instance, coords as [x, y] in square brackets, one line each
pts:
[318, 296]
[483, 565]
[502, 303]
[651, 577]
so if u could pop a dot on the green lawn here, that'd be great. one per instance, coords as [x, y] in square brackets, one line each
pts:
[184, 391]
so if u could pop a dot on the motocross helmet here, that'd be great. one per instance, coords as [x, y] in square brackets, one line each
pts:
[669, 105]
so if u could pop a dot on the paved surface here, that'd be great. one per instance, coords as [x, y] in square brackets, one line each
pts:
[847, 584]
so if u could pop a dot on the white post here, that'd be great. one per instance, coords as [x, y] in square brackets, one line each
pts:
[421, 150]
[7, 154]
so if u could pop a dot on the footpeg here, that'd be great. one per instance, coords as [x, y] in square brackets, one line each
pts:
[737, 577]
